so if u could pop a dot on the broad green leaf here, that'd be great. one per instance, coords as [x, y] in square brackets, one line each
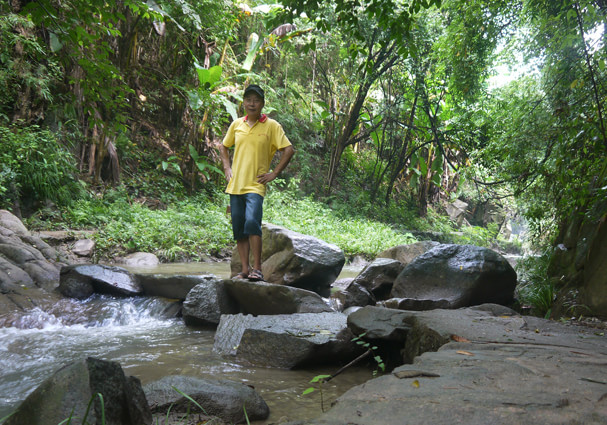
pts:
[423, 166]
[231, 108]
[214, 74]
[253, 49]
[56, 44]
[193, 153]
[437, 164]
[436, 179]
[319, 378]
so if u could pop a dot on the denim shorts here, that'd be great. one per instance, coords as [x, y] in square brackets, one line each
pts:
[247, 212]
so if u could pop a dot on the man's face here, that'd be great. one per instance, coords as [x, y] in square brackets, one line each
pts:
[253, 104]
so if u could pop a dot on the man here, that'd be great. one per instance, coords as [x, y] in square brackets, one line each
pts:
[255, 138]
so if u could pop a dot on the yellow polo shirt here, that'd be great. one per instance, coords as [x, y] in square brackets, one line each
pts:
[254, 148]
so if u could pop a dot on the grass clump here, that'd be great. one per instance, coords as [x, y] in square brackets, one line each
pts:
[535, 289]
[187, 230]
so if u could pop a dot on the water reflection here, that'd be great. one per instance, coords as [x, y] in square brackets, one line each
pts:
[137, 333]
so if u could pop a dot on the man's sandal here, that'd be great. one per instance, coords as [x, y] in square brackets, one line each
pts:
[242, 275]
[255, 275]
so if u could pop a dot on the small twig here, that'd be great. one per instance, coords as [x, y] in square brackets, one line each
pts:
[352, 363]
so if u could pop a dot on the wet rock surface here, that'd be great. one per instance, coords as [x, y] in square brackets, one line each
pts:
[302, 261]
[484, 365]
[454, 276]
[221, 398]
[82, 280]
[285, 341]
[262, 298]
[68, 391]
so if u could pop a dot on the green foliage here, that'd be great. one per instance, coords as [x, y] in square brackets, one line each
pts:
[480, 236]
[38, 166]
[373, 350]
[189, 230]
[318, 379]
[27, 74]
[535, 288]
[354, 235]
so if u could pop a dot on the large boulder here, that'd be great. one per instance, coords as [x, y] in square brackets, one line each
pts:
[171, 286]
[454, 276]
[457, 211]
[221, 398]
[24, 264]
[67, 393]
[286, 340]
[262, 298]
[11, 224]
[484, 365]
[82, 280]
[353, 295]
[140, 259]
[380, 323]
[290, 258]
[407, 253]
[378, 277]
[595, 273]
[206, 302]
[578, 264]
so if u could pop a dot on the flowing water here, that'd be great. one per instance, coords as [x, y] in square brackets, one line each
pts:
[149, 344]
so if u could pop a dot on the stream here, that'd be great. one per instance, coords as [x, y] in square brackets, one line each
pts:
[149, 344]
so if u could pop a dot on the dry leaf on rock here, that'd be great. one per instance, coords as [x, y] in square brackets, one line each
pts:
[458, 338]
[403, 374]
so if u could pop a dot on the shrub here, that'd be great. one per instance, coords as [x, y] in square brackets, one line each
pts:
[536, 290]
[35, 167]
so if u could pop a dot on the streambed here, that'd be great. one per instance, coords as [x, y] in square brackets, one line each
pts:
[149, 344]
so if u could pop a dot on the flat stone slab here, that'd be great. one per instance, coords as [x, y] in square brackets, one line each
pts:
[285, 340]
[495, 368]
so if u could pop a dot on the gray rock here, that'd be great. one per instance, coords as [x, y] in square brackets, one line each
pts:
[82, 280]
[11, 222]
[84, 247]
[380, 323]
[17, 252]
[407, 253]
[206, 302]
[457, 211]
[378, 277]
[171, 286]
[12, 275]
[140, 259]
[218, 397]
[285, 341]
[49, 253]
[68, 391]
[353, 295]
[488, 366]
[293, 259]
[262, 298]
[45, 274]
[454, 276]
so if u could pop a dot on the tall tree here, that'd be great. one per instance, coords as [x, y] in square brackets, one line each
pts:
[377, 33]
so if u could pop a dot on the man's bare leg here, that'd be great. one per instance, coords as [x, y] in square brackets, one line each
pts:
[255, 244]
[243, 250]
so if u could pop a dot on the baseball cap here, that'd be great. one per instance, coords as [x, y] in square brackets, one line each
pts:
[255, 89]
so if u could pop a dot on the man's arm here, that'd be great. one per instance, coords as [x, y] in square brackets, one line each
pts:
[286, 155]
[225, 160]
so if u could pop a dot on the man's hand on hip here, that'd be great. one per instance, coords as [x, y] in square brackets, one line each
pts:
[266, 178]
